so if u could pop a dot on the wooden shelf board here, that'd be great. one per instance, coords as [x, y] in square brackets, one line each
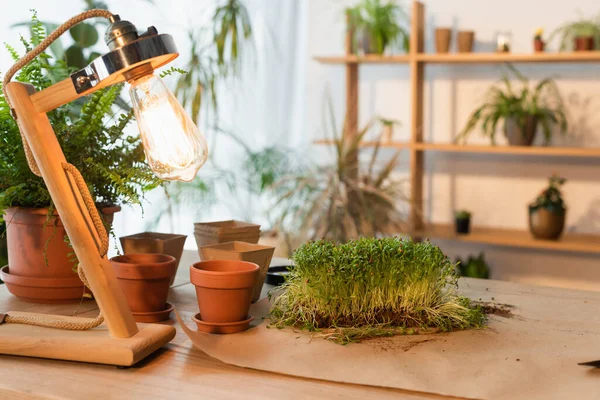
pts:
[478, 58]
[571, 242]
[367, 59]
[371, 143]
[524, 150]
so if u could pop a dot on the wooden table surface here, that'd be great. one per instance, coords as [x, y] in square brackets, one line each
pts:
[178, 371]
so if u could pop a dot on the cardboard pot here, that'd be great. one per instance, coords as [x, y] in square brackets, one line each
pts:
[443, 37]
[145, 281]
[209, 233]
[224, 289]
[254, 253]
[465, 41]
[154, 243]
[38, 256]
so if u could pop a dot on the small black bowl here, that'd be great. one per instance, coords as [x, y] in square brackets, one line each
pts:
[276, 275]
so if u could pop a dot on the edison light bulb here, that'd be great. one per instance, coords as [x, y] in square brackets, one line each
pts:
[175, 149]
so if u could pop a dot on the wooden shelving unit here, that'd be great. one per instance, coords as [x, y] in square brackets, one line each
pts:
[416, 60]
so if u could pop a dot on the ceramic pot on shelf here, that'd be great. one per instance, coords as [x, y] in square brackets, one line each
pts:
[145, 281]
[443, 38]
[154, 243]
[209, 233]
[224, 290]
[466, 39]
[584, 43]
[463, 226]
[546, 224]
[254, 253]
[539, 45]
[518, 135]
[40, 269]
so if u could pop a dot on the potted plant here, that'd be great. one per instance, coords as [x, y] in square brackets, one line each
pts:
[463, 222]
[116, 173]
[372, 287]
[474, 267]
[521, 111]
[224, 290]
[538, 42]
[387, 131]
[548, 212]
[154, 243]
[345, 199]
[145, 281]
[376, 25]
[242, 251]
[583, 35]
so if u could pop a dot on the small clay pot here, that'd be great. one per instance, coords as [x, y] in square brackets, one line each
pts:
[254, 253]
[443, 37]
[145, 280]
[586, 43]
[224, 289]
[465, 41]
[539, 45]
[545, 224]
[463, 226]
[154, 243]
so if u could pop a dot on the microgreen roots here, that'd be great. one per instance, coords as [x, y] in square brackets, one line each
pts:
[372, 287]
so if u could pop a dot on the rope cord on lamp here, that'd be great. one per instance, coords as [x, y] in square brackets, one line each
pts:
[71, 169]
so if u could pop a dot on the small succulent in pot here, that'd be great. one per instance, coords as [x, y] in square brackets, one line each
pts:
[463, 222]
[474, 267]
[548, 212]
[538, 42]
[387, 129]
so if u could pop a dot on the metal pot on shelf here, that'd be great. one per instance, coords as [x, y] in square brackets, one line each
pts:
[520, 134]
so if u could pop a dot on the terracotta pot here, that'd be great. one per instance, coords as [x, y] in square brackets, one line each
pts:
[145, 280]
[36, 249]
[209, 233]
[154, 243]
[465, 41]
[254, 253]
[43, 290]
[224, 289]
[586, 43]
[443, 37]
[3, 245]
[546, 224]
[539, 45]
[519, 136]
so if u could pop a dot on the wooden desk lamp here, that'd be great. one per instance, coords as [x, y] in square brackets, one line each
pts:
[174, 150]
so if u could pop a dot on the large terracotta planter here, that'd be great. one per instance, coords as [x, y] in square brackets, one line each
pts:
[209, 233]
[154, 243]
[37, 251]
[224, 289]
[145, 281]
[546, 224]
[254, 253]
[466, 40]
[520, 136]
[443, 37]
[585, 43]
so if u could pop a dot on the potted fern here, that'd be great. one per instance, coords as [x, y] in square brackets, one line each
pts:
[548, 212]
[376, 24]
[521, 110]
[112, 163]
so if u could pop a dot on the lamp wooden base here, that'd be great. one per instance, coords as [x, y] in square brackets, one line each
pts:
[92, 346]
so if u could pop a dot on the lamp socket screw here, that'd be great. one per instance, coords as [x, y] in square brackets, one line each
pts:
[82, 80]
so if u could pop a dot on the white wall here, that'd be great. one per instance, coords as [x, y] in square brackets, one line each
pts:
[496, 188]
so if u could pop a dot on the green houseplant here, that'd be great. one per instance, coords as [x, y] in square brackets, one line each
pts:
[548, 212]
[346, 199]
[111, 162]
[520, 109]
[376, 25]
[463, 221]
[474, 267]
[583, 35]
[372, 287]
